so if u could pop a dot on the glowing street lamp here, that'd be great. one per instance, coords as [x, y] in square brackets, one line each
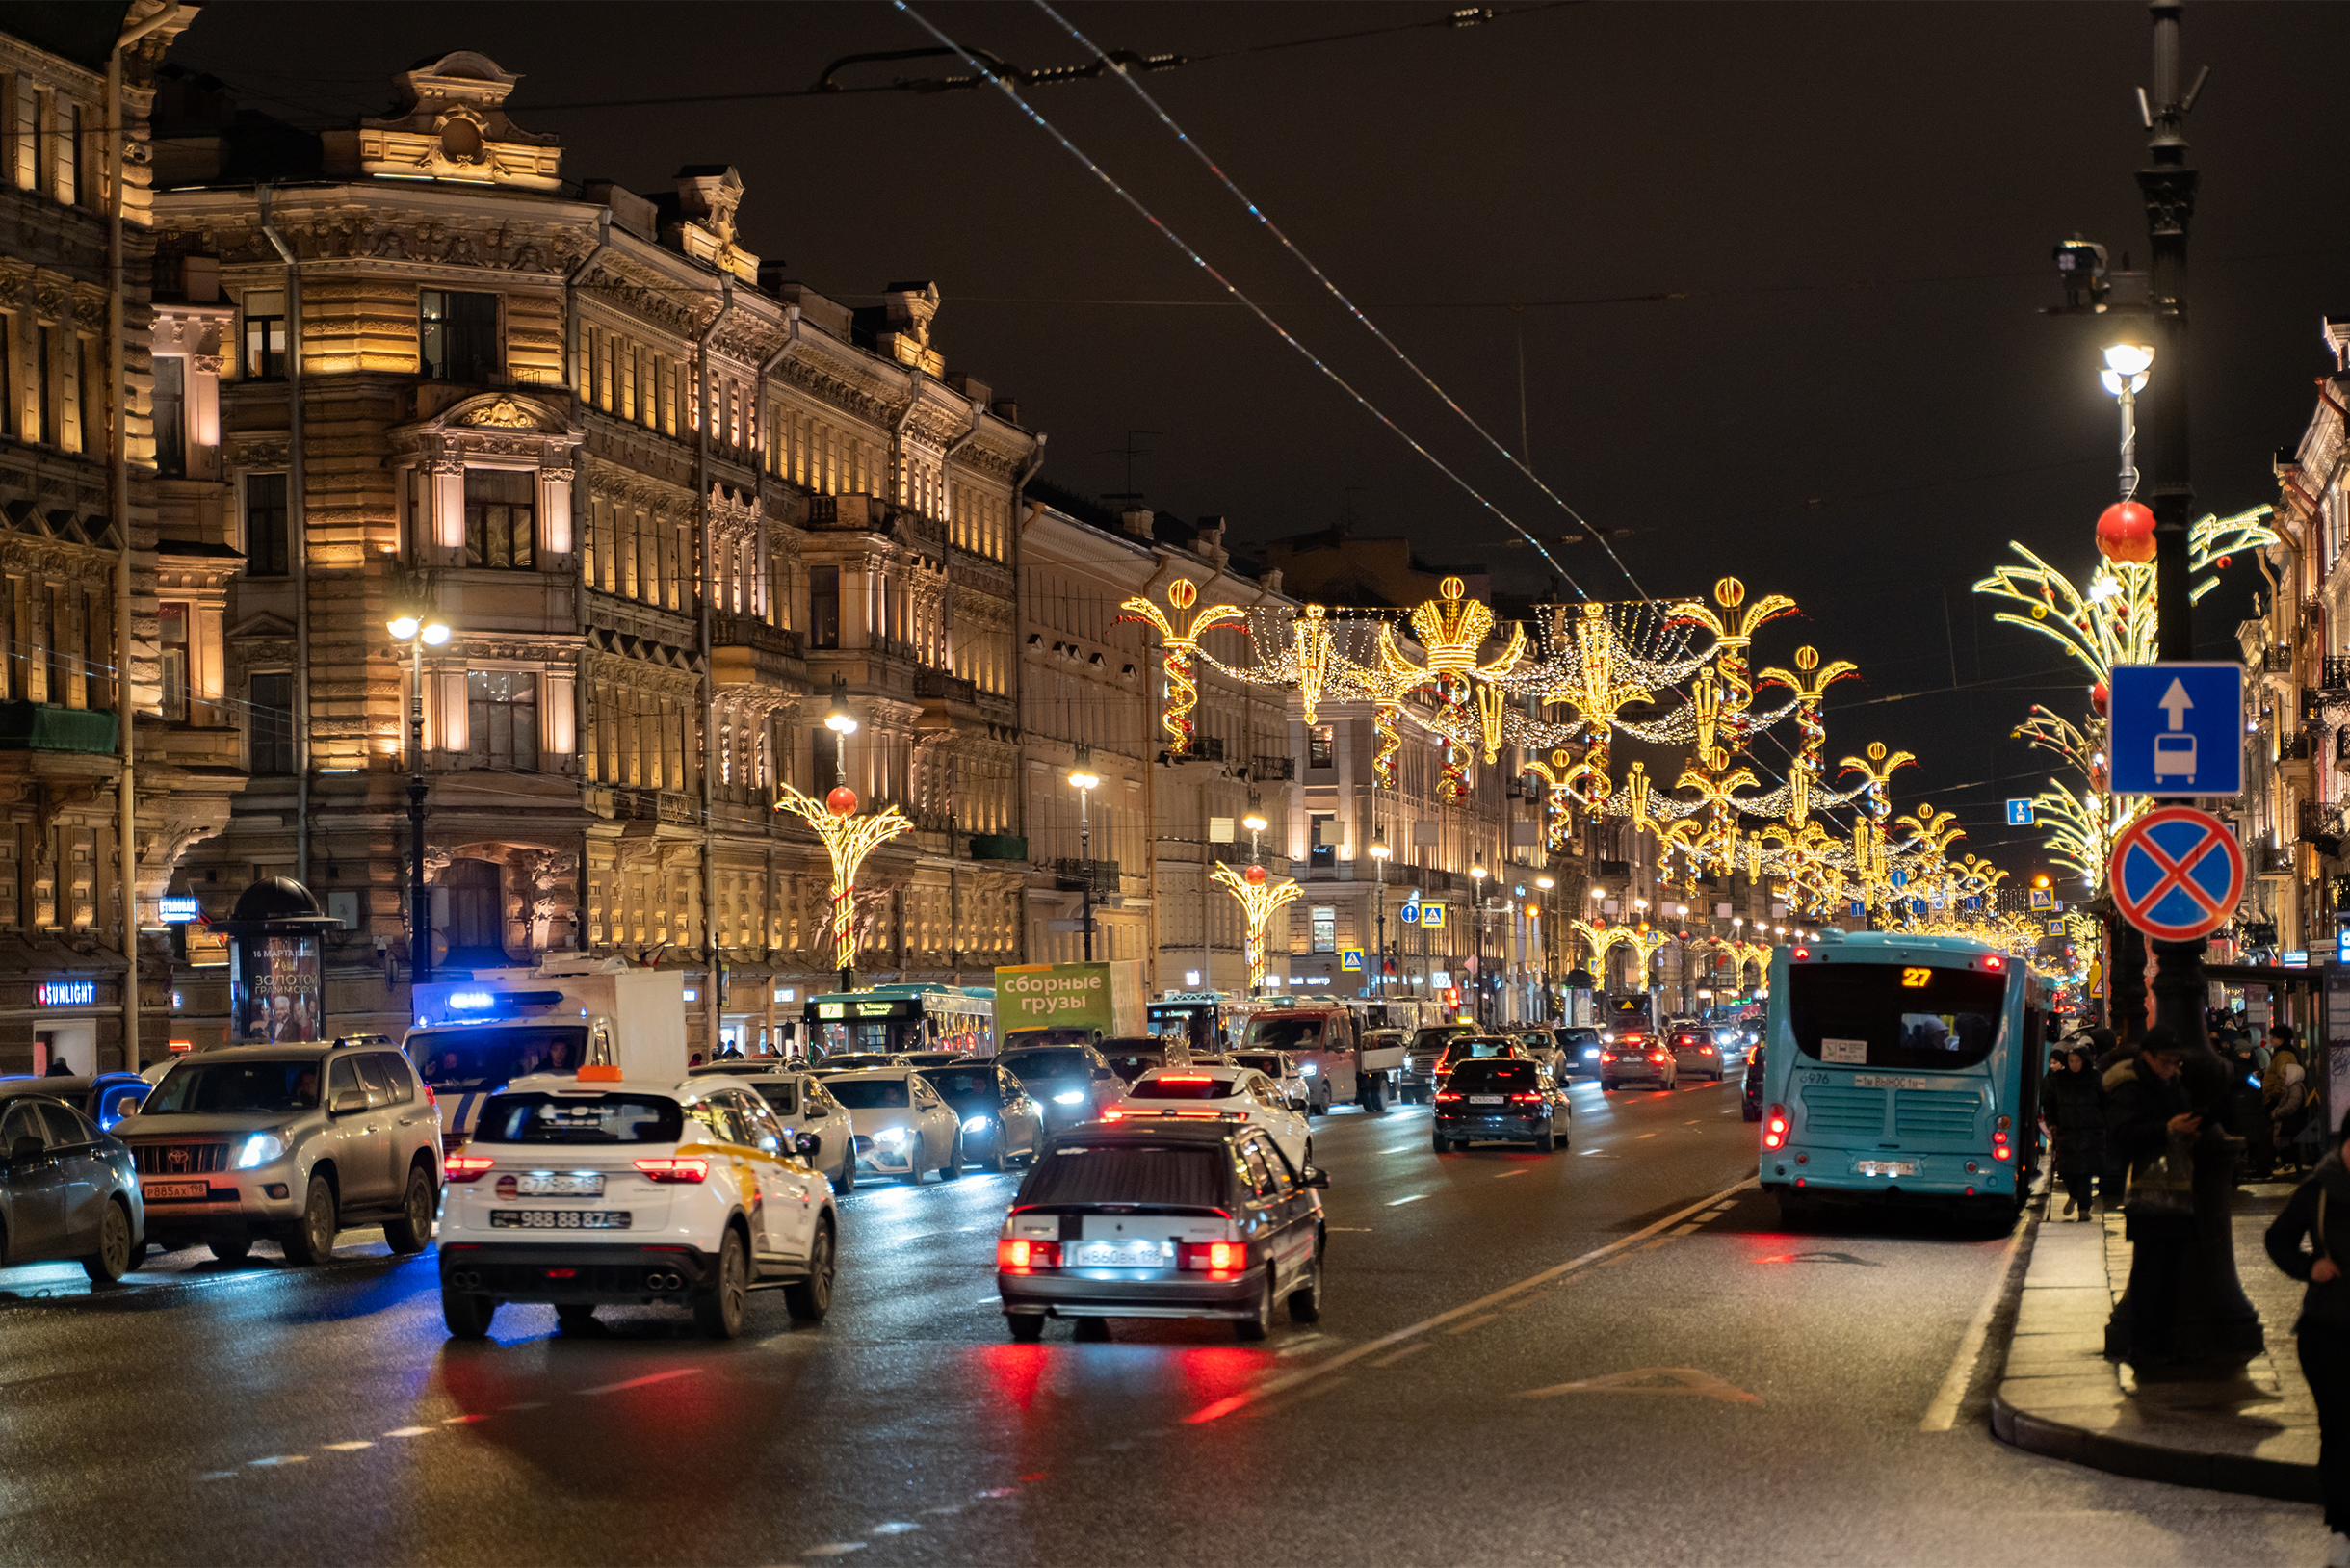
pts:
[2125, 377]
[1085, 781]
[419, 630]
[1378, 855]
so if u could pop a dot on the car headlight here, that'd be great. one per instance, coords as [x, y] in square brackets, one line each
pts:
[1307, 1071]
[976, 1124]
[1069, 1097]
[259, 1150]
[892, 1135]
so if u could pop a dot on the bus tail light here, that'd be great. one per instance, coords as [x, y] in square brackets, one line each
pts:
[1774, 1127]
[1802, 953]
[1018, 1257]
[1993, 962]
[2000, 1148]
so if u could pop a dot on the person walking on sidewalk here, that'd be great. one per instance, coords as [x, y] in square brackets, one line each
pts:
[2319, 1206]
[2151, 1128]
[2076, 1109]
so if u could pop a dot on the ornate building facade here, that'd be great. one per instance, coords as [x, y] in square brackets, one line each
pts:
[658, 493]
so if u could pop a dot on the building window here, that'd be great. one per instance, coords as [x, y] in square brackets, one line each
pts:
[1324, 850]
[1326, 929]
[266, 552]
[170, 417]
[501, 517]
[272, 724]
[458, 334]
[502, 720]
[173, 618]
[264, 335]
[824, 607]
[44, 377]
[1318, 745]
[70, 150]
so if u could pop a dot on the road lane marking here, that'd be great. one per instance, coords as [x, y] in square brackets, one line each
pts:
[1943, 1414]
[1365, 1229]
[408, 1431]
[1303, 1375]
[463, 1421]
[1303, 1344]
[1647, 1246]
[348, 1448]
[282, 1459]
[1411, 1349]
[1507, 1174]
[1647, 1134]
[1475, 1323]
[1684, 1230]
[836, 1549]
[895, 1526]
[642, 1382]
[1401, 1202]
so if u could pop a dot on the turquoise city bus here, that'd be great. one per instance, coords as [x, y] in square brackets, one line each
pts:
[1900, 1068]
[957, 1018]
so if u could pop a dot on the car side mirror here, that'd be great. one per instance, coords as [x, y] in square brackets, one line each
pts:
[348, 1103]
[1103, 1072]
[813, 1113]
[805, 1144]
[27, 1150]
[1314, 1176]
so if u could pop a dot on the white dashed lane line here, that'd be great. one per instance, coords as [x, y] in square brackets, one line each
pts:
[1401, 1202]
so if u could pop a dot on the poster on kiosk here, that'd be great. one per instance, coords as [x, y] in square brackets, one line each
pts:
[278, 993]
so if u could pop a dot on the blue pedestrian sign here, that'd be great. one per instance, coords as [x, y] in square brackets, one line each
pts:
[2019, 814]
[2177, 729]
[1351, 960]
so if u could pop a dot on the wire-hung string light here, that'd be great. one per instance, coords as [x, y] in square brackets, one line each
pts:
[1517, 459]
[1259, 311]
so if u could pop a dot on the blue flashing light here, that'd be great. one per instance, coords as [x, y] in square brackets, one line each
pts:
[471, 1002]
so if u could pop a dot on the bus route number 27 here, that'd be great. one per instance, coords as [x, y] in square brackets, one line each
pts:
[1916, 978]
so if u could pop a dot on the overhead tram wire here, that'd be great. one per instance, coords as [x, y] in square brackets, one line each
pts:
[1517, 459]
[1202, 262]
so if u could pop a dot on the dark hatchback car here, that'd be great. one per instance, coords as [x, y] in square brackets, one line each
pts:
[1070, 1083]
[1488, 1098]
[67, 1190]
[105, 1099]
[1750, 1093]
[1199, 1219]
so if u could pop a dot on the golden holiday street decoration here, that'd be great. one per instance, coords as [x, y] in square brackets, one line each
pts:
[1261, 895]
[1181, 647]
[847, 839]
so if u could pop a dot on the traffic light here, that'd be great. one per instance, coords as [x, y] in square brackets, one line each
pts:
[2041, 880]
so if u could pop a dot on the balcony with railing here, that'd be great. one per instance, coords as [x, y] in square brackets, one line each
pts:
[2277, 661]
[937, 684]
[1264, 769]
[746, 650]
[2334, 672]
[1073, 876]
[2272, 859]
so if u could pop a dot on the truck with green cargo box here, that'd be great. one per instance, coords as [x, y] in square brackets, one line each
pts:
[1070, 1004]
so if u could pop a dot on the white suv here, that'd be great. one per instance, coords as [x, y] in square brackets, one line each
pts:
[595, 1190]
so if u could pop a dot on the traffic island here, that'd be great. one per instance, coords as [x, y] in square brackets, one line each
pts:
[2253, 1431]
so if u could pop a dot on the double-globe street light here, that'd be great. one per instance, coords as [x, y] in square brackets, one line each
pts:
[420, 631]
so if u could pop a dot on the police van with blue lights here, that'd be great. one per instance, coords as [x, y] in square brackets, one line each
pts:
[474, 1037]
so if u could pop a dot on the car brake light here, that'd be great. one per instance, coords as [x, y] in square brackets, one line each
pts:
[602, 1073]
[665, 1168]
[1705, 1050]
[430, 1098]
[1518, 1098]
[1607, 1055]
[1448, 1094]
[466, 1167]
[1021, 1255]
[1995, 961]
[1774, 1127]
[1184, 1078]
[1217, 1257]
[1656, 1055]
[1114, 1113]
[1803, 952]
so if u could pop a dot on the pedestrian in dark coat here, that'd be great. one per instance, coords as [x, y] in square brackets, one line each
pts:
[2076, 1109]
[2319, 1208]
[2145, 1109]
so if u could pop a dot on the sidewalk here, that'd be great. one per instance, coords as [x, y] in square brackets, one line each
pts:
[2057, 1394]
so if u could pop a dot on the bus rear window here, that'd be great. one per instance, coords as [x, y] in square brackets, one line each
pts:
[1895, 1015]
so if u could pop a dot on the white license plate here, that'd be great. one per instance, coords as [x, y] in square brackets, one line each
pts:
[1121, 1254]
[559, 1220]
[1484, 1099]
[1887, 1168]
[544, 1184]
[167, 1191]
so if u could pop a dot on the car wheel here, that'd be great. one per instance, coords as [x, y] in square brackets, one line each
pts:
[1257, 1327]
[312, 1240]
[845, 1180]
[1545, 1141]
[1374, 1095]
[913, 1168]
[1443, 1144]
[112, 1260]
[1305, 1301]
[574, 1317]
[1750, 1112]
[953, 1172]
[414, 1229]
[1026, 1327]
[999, 1158]
[234, 1250]
[809, 1299]
[717, 1310]
[467, 1317]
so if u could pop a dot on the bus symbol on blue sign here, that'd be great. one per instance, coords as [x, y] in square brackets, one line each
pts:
[2175, 730]
[2019, 814]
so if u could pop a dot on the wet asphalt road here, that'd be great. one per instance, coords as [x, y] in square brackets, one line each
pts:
[1611, 1354]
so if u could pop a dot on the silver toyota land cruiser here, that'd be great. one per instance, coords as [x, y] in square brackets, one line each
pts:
[290, 1144]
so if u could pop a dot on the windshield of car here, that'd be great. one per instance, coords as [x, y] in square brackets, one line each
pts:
[1175, 1177]
[1492, 1075]
[872, 1093]
[1581, 1036]
[1267, 1065]
[1895, 1015]
[782, 1097]
[1183, 1087]
[230, 1087]
[1279, 1033]
[1132, 1064]
[1461, 1049]
[1436, 1039]
[580, 1118]
[472, 1059]
[850, 1061]
[963, 1083]
[1049, 1063]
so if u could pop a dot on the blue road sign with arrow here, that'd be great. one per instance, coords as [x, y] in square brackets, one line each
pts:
[2019, 814]
[2177, 729]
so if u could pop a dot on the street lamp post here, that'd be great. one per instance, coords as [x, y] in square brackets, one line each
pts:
[1550, 965]
[1085, 781]
[1476, 918]
[418, 630]
[1378, 860]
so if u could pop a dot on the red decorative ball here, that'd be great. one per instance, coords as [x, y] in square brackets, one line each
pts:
[2125, 531]
[2098, 696]
[842, 801]
[2226, 562]
[1254, 874]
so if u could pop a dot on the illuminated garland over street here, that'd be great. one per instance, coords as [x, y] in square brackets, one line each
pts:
[1181, 647]
[847, 839]
[1261, 895]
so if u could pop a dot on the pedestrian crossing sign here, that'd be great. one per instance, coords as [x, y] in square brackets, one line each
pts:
[1432, 917]
[1351, 960]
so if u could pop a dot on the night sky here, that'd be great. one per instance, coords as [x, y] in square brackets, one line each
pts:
[1853, 400]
